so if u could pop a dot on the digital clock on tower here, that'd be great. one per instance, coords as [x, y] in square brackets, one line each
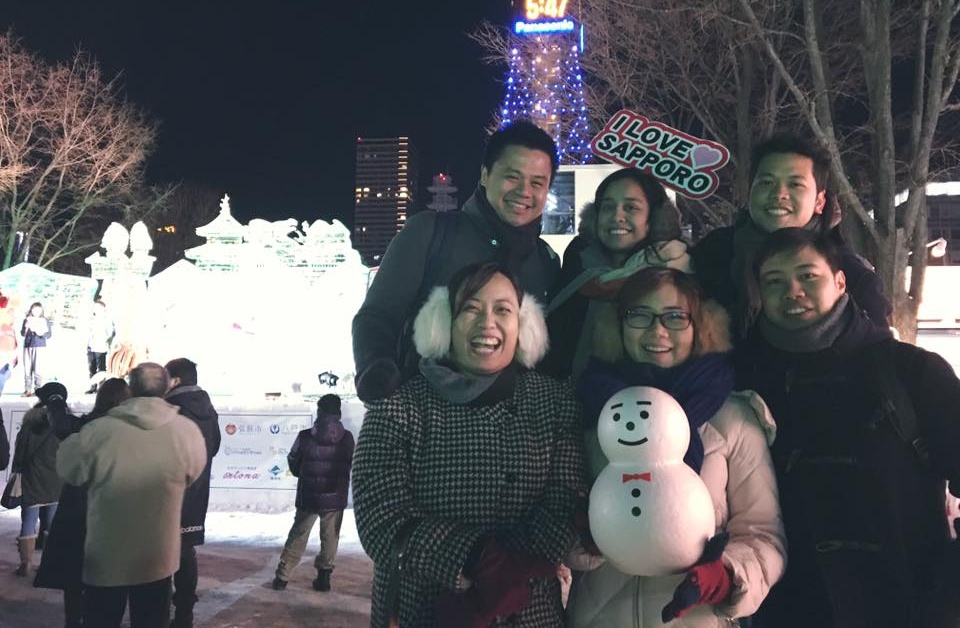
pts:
[540, 9]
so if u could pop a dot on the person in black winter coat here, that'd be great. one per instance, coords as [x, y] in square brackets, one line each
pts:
[320, 458]
[195, 404]
[61, 563]
[866, 435]
[788, 189]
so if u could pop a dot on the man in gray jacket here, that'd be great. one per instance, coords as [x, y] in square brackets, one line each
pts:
[136, 462]
[501, 222]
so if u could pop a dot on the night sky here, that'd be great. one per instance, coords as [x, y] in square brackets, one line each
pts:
[265, 100]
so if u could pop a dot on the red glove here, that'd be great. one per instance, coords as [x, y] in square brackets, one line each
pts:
[707, 582]
[501, 579]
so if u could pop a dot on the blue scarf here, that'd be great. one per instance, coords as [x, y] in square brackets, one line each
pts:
[700, 385]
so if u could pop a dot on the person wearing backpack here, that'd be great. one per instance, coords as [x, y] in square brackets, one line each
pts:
[866, 437]
[320, 459]
[501, 222]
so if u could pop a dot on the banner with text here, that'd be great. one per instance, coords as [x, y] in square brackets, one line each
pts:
[680, 161]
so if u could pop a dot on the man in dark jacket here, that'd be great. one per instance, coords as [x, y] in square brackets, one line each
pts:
[788, 189]
[501, 222]
[194, 403]
[866, 435]
[320, 458]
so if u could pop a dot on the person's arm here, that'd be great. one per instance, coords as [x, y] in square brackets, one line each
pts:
[196, 452]
[47, 327]
[380, 319]
[217, 439]
[294, 456]
[20, 446]
[756, 553]
[348, 446]
[935, 392]
[385, 506]
[547, 528]
[4, 445]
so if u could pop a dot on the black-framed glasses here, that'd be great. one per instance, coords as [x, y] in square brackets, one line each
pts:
[675, 320]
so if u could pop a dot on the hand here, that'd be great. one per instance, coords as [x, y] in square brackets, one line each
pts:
[707, 582]
[378, 380]
[501, 579]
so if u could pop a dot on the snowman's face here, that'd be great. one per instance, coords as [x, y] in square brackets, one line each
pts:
[643, 423]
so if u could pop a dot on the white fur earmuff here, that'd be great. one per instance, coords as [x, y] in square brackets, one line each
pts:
[432, 329]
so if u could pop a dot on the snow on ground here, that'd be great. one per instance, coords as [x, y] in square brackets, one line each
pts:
[253, 528]
[250, 528]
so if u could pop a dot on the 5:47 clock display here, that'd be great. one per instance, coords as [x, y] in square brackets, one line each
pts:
[539, 9]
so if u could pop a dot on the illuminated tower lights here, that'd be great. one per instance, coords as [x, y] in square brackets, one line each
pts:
[548, 89]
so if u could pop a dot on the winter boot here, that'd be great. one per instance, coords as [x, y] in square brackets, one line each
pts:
[322, 583]
[25, 545]
[278, 584]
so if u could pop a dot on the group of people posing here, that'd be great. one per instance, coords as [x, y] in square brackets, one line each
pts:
[823, 442]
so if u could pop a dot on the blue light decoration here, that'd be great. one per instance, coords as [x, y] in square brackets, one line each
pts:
[544, 80]
[529, 28]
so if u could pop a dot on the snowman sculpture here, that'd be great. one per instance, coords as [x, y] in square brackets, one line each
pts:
[650, 513]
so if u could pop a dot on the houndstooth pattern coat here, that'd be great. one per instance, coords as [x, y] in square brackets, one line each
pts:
[459, 472]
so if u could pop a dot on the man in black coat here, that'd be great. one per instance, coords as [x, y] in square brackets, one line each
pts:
[866, 435]
[194, 403]
[320, 458]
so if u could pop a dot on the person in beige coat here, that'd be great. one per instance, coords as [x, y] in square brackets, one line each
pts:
[136, 462]
[667, 337]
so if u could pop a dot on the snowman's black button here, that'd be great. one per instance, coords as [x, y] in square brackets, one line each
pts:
[635, 511]
[635, 492]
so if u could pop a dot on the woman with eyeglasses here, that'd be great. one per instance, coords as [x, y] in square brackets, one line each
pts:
[668, 337]
[631, 224]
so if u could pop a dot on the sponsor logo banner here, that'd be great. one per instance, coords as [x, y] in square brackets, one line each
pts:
[253, 454]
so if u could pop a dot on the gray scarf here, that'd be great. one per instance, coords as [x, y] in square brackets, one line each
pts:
[454, 386]
[818, 336]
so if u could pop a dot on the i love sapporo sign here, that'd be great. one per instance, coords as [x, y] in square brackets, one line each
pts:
[682, 162]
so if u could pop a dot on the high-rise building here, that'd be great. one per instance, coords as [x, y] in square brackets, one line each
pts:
[385, 188]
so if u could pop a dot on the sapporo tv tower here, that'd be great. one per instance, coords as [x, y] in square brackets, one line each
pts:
[544, 82]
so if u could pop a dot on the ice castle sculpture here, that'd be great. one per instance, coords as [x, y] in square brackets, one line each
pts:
[263, 307]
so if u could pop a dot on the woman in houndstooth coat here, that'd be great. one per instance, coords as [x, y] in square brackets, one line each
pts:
[465, 479]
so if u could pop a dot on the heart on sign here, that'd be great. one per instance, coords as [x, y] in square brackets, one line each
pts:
[703, 156]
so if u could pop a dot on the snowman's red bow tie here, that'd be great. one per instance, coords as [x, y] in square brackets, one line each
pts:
[627, 477]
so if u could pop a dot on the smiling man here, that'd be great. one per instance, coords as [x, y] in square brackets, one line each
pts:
[865, 440]
[788, 189]
[501, 222]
